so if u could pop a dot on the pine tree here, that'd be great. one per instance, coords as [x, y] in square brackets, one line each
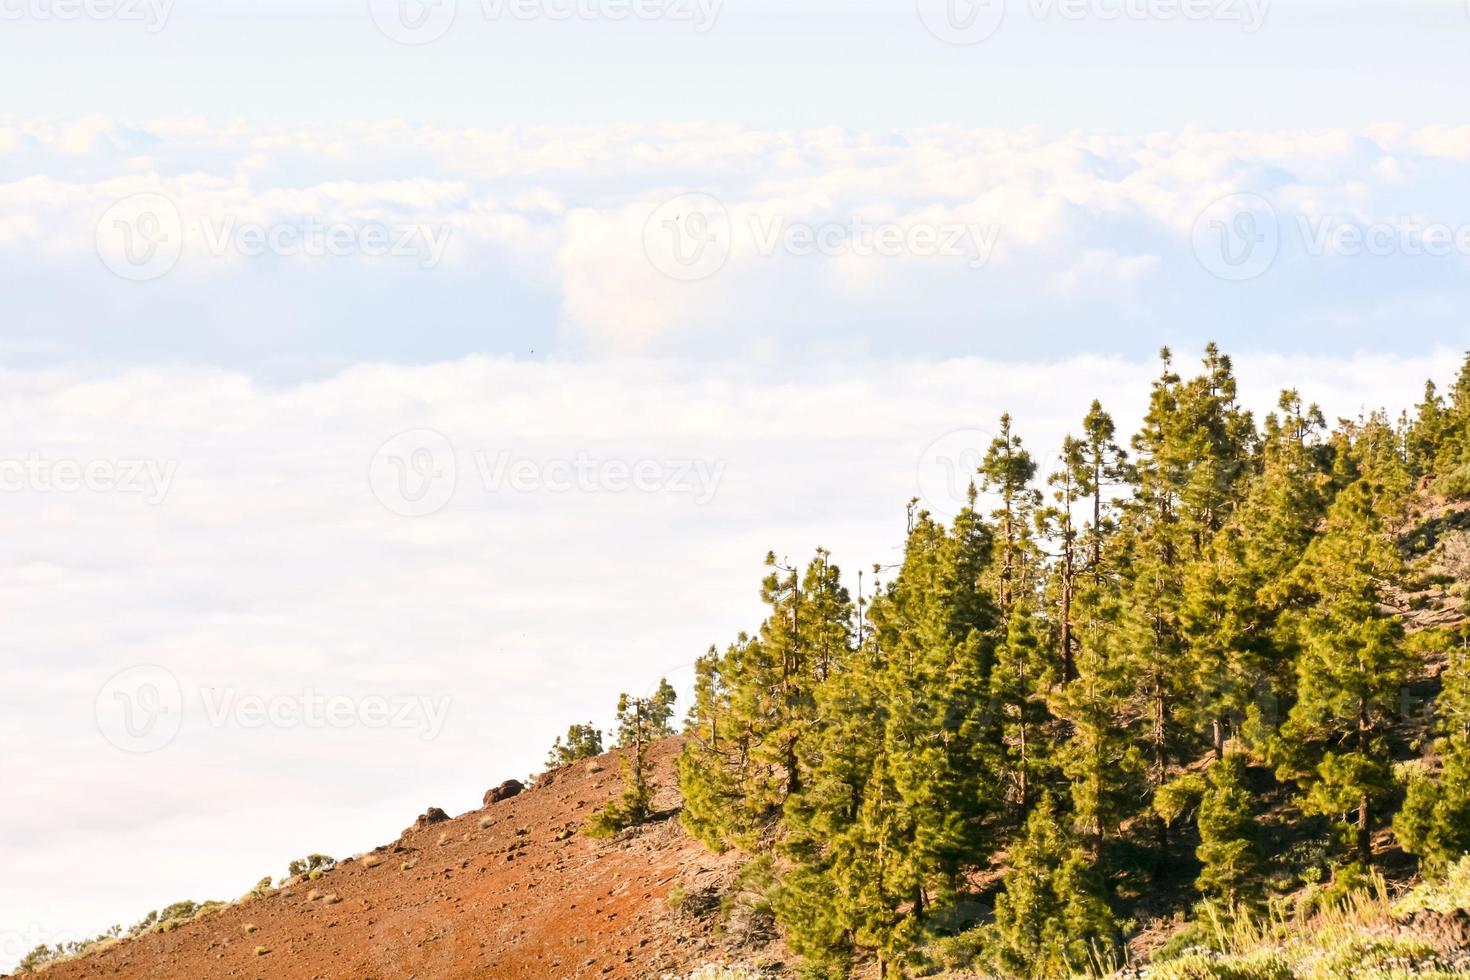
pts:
[1427, 432]
[717, 746]
[1053, 917]
[637, 730]
[1452, 460]
[933, 628]
[660, 715]
[1103, 757]
[756, 705]
[1229, 846]
[1218, 616]
[893, 810]
[834, 860]
[1284, 506]
[1452, 706]
[1434, 822]
[1352, 666]
[1095, 656]
[1156, 555]
[1008, 470]
[1023, 675]
[582, 742]
[1058, 524]
[1194, 456]
[1100, 463]
[1100, 753]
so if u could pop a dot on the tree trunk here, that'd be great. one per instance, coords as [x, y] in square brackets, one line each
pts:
[1365, 835]
[1365, 829]
[1069, 664]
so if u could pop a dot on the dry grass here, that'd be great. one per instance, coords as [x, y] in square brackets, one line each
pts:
[1364, 936]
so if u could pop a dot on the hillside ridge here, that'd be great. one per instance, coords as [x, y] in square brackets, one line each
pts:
[512, 889]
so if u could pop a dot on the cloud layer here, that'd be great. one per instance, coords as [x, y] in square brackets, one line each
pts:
[349, 599]
[324, 246]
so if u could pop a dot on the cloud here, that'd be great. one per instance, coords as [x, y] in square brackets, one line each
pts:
[553, 226]
[572, 553]
[1101, 267]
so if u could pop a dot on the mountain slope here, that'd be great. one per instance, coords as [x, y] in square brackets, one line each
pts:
[526, 895]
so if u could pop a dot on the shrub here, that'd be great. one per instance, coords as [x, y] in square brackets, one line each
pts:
[310, 863]
[1454, 484]
[958, 952]
[711, 971]
[1446, 896]
[748, 909]
[1434, 822]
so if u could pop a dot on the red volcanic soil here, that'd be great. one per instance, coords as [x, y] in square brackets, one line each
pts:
[525, 895]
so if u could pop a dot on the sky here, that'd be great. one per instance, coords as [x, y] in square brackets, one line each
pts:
[385, 386]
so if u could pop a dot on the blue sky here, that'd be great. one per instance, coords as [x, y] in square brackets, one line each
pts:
[480, 374]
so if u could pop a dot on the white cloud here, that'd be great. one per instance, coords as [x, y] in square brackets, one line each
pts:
[272, 568]
[1100, 268]
[563, 211]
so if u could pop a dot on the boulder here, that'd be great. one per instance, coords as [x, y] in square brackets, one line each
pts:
[432, 815]
[507, 789]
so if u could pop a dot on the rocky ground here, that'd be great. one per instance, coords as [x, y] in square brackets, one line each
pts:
[510, 890]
